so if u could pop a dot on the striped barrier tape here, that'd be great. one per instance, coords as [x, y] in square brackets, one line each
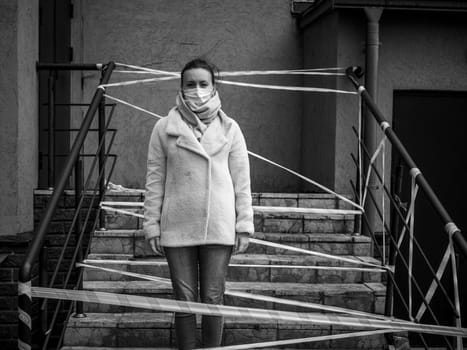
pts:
[141, 68]
[133, 106]
[328, 71]
[324, 188]
[246, 295]
[244, 73]
[315, 253]
[122, 211]
[24, 316]
[261, 209]
[277, 245]
[285, 88]
[173, 76]
[169, 305]
[434, 286]
[275, 266]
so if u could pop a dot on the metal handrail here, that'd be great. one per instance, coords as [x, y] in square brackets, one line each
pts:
[393, 238]
[25, 273]
[449, 227]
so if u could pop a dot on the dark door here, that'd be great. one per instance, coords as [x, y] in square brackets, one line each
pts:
[433, 127]
[54, 47]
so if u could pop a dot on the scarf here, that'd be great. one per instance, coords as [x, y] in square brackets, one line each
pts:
[200, 117]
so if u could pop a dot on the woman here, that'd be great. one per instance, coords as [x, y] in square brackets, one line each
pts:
[198, 198]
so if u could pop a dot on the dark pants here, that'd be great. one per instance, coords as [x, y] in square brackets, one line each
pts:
[206, 265]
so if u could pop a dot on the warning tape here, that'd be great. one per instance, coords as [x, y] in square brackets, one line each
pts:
[235, 83]
[307, 179]
[275, 266]
[121, 211]
[315, 253]
[324, 188]
[141, 69]
[277, 245]
[244, 73]
[132, 106]
[241, 294]
[170, 305]
[285, 88]
[173, 75]
[135, 82]
[261, 209]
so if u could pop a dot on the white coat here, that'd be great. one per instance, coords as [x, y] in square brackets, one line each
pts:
[197, 192]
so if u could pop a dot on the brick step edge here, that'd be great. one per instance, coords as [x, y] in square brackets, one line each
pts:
[157, 328]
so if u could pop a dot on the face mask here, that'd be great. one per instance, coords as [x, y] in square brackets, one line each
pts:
[198, 96]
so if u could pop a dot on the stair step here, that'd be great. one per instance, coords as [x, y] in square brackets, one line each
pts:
[161, 348]
[367, 297]
[133, 242]
[170, 348]
[264, 222]
[270, 273]
[109, 327]
[156, 329]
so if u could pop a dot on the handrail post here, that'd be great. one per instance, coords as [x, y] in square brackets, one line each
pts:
[43, 282]
[102, 189]
[449, 227]
[51, 129]
[24, 278]
[79, 313]
[395, 223]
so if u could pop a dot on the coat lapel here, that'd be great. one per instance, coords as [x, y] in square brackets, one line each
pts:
[214, 139]
[211, 143]
[185, 137]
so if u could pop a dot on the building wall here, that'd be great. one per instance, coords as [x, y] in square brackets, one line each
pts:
[18, 114]
[419, 50]
[350, 52]
[319, 109]
[432, 55]
[240, 35]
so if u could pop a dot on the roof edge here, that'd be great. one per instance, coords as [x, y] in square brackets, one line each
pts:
[321, 7]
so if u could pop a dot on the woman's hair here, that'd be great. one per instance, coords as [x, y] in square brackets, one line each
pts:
[201, 63]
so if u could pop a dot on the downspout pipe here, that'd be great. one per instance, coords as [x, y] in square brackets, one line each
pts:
[370, 127]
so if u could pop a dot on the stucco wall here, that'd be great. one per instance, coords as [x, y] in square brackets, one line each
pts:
[350, 52]
[319, 109]
[235, 35]
[419, 50]
[18, 114]
[432, 55]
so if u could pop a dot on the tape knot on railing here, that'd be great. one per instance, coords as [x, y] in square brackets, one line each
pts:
[414, 172]
[451, 228]
[384, 125]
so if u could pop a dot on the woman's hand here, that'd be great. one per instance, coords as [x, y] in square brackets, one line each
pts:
[242, 239]
[156, 247]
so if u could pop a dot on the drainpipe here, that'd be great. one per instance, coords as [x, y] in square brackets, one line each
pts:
[373, 15]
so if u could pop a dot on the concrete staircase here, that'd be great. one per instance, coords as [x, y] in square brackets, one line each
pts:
[122, 327]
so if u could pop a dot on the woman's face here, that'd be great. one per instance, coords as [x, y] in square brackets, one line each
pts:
[197, 78]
